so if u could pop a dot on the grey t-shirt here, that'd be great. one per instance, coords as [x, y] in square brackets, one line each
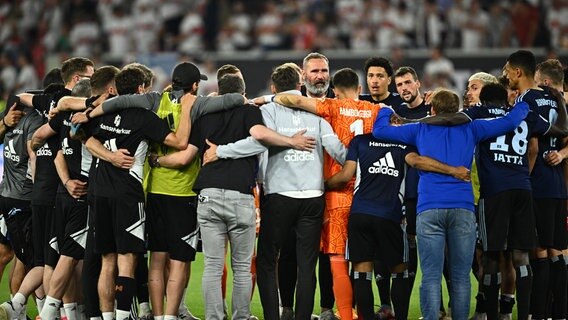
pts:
[17, 179]
[151, 101]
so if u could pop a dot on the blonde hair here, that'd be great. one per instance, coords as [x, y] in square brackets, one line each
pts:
[483, 77]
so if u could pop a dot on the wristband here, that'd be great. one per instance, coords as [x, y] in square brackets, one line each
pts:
[88, 113]
[4, 122]
[65, 184]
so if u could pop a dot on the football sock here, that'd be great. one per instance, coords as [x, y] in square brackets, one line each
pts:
[490, 287]
[342, 287]
[523, 282]
[400, 293]
[362, 285]
[558, 283]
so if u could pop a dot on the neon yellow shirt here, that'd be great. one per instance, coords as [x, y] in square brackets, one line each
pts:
[172, 182]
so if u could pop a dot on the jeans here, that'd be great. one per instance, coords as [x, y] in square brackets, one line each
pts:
[226, 215]
[283, 214]
[438, 229]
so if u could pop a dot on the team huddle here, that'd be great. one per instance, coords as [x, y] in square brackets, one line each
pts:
[110, 190]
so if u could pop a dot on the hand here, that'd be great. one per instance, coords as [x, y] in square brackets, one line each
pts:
[211, 154]
[52, 113]
[461, 173]
[187, 100]
[302, 142]
[80, 117]
[258, 101]
[13, 116]
[100, 99]
[121, 159]
[76, 188]
[553, 158]
[428, 97]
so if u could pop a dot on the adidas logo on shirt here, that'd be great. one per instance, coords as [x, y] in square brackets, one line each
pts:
[385, 165]
[295, 156]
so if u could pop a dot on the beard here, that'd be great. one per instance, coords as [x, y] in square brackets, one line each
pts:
[411, 99]
[318, 88]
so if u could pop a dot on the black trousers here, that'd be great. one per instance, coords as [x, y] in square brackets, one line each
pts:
[280, 214]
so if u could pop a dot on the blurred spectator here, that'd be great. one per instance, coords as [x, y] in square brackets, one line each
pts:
[430, 25]
[119, 27]
[191, 30]
[268, 27]
[171, 13]
[439, 70]
[236, 33]
[500, 21]
[474, 27]
[361, 37]
[557, 23]
[27, 77]
[304, 33]
[84, 35]
[50, 23]
[383, 21]
[349, 13]
[147, 24]
[8, 73]
[525, 22]
[456, 15]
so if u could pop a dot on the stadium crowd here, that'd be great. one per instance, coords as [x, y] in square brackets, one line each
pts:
[119, 30]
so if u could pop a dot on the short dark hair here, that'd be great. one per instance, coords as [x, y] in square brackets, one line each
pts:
[231, 83]
[524, 60]
[406, 70]
[493, 94]
[128, 80]
[102, 78]
[285, 78]
[227, 69]
[552, 69]
[148, 73]
[82, 89]
[379, 62]
[346, 78]
[445, 101]
[52, 77]
[75, 65]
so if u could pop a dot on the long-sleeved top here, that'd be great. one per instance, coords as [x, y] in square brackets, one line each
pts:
[294, 173]
[453, 145]
[151, 101]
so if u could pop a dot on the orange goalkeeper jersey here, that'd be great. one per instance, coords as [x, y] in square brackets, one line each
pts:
[348, 118]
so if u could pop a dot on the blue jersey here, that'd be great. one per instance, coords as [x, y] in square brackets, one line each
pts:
[418, 112]
[381, 168]
[453, 145]
[547, 181]
[502, 162]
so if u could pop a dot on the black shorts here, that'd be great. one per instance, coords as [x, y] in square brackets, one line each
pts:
[371, 238]
[550, 217]
[71, 226]
[119, 225]
[18, 216]
[506, 221]
[410, 215]
[41, 222]
[172, 225]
